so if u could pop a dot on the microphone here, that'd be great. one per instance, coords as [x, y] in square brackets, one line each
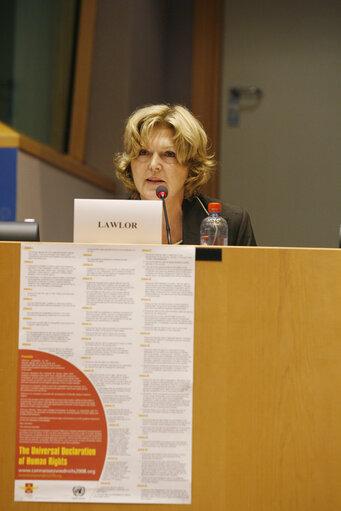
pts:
[162, 193]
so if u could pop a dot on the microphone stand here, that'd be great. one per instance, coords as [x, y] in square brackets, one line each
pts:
[166, 218]
[161, 193]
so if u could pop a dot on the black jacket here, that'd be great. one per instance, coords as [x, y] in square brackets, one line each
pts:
[239, 224]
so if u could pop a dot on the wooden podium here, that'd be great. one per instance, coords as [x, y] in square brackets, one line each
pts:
[267, 383]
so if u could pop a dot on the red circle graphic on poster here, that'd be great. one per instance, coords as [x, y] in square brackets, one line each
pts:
[61, 424]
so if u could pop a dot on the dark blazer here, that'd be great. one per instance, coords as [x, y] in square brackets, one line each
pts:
[239, 224]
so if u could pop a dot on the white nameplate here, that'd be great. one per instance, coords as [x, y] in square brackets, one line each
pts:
[117, 221]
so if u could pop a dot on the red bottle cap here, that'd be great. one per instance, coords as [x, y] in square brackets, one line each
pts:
[214, 207]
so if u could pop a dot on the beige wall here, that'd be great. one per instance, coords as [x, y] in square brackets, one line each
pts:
[283, 160]
[46, 194]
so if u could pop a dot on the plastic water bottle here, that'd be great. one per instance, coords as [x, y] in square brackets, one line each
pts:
[214, 229]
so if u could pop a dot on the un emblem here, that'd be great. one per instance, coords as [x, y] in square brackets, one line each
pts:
[78, 491]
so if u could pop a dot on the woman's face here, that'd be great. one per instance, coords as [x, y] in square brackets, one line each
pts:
[157, 165]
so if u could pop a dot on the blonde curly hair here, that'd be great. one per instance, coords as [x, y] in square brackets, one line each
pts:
[190, 142]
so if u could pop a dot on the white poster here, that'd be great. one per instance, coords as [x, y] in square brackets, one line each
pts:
[105, 374]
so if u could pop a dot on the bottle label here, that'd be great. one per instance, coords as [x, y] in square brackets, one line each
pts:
[209, 240]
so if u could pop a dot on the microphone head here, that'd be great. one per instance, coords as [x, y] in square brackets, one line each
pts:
[161, 192]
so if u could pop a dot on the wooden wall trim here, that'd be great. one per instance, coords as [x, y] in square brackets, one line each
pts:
[66, 162]
[82, 86]
[206, 71]
[11, 138]
[8, 136]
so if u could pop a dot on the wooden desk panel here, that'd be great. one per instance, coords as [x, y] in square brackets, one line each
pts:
[267, 383]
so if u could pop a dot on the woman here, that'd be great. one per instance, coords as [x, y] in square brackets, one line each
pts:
[166, 145]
